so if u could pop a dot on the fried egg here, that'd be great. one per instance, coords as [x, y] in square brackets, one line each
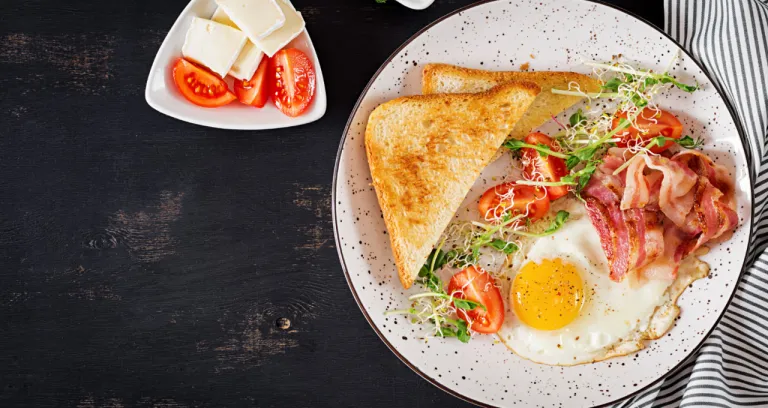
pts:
[563, 309]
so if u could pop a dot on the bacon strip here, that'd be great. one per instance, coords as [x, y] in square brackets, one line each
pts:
[676, 183]
[601, 220]
[637, 191]
[666, 265]
[658, 210]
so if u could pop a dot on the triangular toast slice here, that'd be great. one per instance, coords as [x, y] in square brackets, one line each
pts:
[443, 78]
[425, 153]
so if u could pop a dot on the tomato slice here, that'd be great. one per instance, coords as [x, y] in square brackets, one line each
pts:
[255, 92]
[292, 78]
[550, 168]
[200, 86]
[514, 199]
[478, 286]
[650, 124]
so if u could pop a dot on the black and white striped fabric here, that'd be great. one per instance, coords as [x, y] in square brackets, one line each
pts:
[730, 38]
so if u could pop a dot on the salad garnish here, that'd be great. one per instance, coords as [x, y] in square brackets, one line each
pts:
[627, 117]
[435, 306]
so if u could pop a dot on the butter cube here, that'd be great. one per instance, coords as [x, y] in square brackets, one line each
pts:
[250, 57]
[256, 18]
[213, 45]
[294, 25]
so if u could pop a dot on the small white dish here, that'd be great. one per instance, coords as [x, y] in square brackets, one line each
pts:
[162, 95]
[416, 4]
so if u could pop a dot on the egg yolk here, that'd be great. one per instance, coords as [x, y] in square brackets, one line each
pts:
[547, 295]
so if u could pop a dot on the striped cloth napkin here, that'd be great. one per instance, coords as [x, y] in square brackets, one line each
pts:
[730, 38]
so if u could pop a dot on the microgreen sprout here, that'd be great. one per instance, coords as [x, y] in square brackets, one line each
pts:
[557, 223]
[435, 305]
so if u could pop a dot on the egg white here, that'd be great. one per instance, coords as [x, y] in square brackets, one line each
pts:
[616, 316]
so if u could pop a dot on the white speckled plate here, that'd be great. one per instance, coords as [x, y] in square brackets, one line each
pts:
[551, 35]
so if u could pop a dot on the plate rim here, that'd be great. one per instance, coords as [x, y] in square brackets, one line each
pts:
[337, 240]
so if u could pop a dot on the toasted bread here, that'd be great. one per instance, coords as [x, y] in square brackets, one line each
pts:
[426, 151]
[443, 78]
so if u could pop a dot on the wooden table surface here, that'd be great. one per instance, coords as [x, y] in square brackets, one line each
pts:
[149, 262]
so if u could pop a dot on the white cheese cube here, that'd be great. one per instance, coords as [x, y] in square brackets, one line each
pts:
[250, 57]
[257, 18]
[294, 25]
[213, 45]
[220, 16]
[247, 62]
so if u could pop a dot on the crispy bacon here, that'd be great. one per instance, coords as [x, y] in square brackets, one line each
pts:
[658, 210]
[674, 195]
[665, 266]
[637, 191]
[630, 239]
[598, 214]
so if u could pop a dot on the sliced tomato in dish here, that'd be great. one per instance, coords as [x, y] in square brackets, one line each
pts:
[513, 199]
[292, 78]
[200, 86]
[255, 92]
[478, 286]
[650, 123]
[548, 168]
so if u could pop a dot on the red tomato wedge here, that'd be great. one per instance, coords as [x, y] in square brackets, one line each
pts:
[478, 286]
[550, 168]
[200, 86]
[292, 80]
[515, 199]
[255, 92]
[650, 124]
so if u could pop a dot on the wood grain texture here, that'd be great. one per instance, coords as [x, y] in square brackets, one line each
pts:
[146, 261]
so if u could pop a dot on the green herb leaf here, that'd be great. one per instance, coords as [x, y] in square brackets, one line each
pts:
[666, 79]
[612, 85]
[514, 144]
[638, 101]
[657, 141]
[543, 149]
[436, 260]
[586, 153]
[467, 304]
[462, 332]
[560, 218]
[585, 174]
[504, 246]
[572, 161]
[689, 143]
[576, 118]
[558, 222]
[685, 141]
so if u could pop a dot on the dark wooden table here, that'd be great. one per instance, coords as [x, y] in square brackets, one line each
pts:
[149, 262]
